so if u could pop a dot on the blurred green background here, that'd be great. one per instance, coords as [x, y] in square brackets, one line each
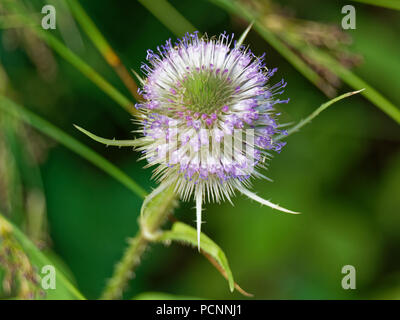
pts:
[342, 171]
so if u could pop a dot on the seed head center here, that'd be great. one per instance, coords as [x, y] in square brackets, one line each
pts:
[206, 92]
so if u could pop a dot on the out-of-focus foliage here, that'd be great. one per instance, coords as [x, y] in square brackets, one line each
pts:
[342, 171]
[23, 262]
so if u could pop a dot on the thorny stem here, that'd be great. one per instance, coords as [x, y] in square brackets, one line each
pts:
[124, 268]
[154, 216]
[315, 113]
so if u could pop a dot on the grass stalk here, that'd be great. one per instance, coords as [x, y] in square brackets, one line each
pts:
[345, 74]
[15, 8]
[104, 47]
[55, 133]
[168, 16]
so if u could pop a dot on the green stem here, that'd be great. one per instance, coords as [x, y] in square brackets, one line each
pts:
[124, 269]
[154, 215]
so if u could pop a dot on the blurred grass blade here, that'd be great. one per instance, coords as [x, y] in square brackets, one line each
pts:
[181, 28]
[67, 26]
[370, 93]
[64, 289]
[168, 16]
[390, 4]
[346, 75]
[58, 135]
[181, 232]
[11, 21]
[88, 71]
[104, 47]
[235, 8]
[71, 57]
[11, 158]
[354, 81]
[324, 106]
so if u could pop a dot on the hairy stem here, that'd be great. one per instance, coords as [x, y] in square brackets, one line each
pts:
[155, 214]
[124, 268]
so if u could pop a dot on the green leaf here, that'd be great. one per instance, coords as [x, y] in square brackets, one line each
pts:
[64, 288]
[162, 296]
[47, 128]
[183, 233]
[156, 207]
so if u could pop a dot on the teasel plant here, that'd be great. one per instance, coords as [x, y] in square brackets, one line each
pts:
[199, 95]
[192, 92]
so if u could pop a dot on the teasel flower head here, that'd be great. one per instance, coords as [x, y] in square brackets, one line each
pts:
[208, 121]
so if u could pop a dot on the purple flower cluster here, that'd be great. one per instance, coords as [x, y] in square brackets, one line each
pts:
[200, 94]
